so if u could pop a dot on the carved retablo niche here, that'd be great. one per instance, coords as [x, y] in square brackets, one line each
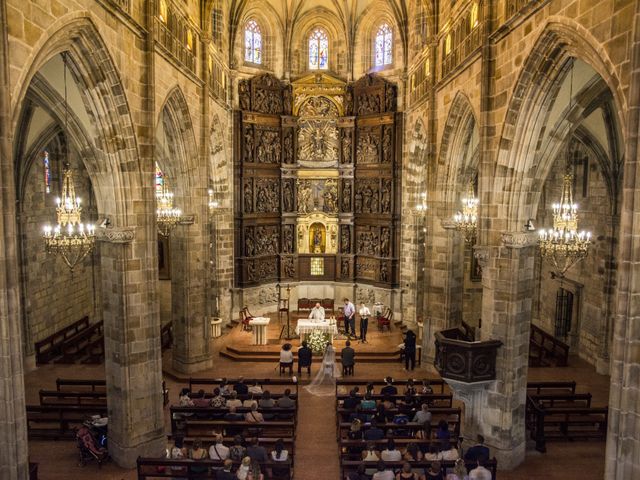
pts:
[317, 195]
[318, 144]
[318, 233]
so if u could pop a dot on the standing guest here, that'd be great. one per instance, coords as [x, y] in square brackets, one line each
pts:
[351, 401]
[225, 473]
[406, 473]
[477, 451]
[217, 450]
[255, 388]
[237, 451]
[233, 400]
[412, 453]
[241, 387]
[434, 472]
[383, 472]
[254, 416]
[410, 350]
[198, 453]
[317, 313]
[423, 415]
[257, 451]
[388, 403]
[185, 399]
[305, 356]
[480, 472]
[218, 401]
[286, 358]
[349, 313]
[459, 471]
[391, 453]
[347, 357]
[389, 389]
[364, 321]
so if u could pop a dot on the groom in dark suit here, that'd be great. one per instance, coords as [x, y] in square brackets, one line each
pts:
[348, 359]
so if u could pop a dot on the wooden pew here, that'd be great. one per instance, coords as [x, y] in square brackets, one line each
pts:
[55, 397]
[437, 384]
[432, 399]
[33, 471]
[551, 387]
[266, 383]
[48, 348]
[77, 346]
[343, 414]
[347, 446]
[78, 385]
[348, 466]
[179, 414]
[148, 468]
[59, 421]
[545, 350]
[452, 420]
[547, 400]
[205, 428]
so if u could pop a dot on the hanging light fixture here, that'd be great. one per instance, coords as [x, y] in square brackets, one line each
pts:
[563, 245]
[213, 203]
[70, 238]
[167, 216]
[466, 220]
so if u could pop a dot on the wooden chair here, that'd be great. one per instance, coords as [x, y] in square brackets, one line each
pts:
[283, 309]
[245, 318]
[384, 320]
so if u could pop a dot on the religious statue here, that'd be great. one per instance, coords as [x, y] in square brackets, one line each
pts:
[248, 144]
[387, 153]
[249, 245]
[317, 241]
[345, 241]
[305, 202]
[384, 273]
[289, 267]
[243, 95]
[248, 198]
[287, 196]
[346, 196]
[287, 241]
[347, 142]
[287, 150]
[386, 196]
[344, 268]
[385, 238]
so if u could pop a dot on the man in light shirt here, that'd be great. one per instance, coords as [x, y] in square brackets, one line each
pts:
[349, 313]
[364, 321]
[480, 473]
[317, 313]
[218, 451]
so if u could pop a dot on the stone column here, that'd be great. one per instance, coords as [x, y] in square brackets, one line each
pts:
[508, 285]
[133, 362]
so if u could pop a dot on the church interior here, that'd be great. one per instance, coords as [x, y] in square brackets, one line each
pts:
[441, 190]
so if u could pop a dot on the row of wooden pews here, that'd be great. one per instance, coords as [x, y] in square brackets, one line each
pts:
[545, 350]
[437, 396]
[554, 411]
[205, 423]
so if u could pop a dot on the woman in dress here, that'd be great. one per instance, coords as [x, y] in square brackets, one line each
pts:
[237, 451]
[459, 471]
[324, 382]
[406, 473]
[198, 453]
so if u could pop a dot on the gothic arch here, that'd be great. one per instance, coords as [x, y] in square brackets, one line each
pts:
[517, 172]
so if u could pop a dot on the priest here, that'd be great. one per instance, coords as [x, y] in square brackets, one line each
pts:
[317, 313]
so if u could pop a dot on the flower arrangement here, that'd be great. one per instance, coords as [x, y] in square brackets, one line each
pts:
[317, 341]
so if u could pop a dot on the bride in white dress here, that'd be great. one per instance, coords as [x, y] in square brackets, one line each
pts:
[324, 383]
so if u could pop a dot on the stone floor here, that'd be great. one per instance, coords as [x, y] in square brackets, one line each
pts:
[316, 448]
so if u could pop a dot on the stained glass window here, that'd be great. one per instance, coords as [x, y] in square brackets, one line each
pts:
[318, 50]
[47, 173]
[252, 43]
[473, 17]
[384, 46]
[159, 180]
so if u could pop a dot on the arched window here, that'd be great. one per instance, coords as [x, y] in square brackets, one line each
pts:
[473, 17]
[159, 184]
[384, 46]
[252, 43]
[447, 44]
[216, 22]
[318, 50]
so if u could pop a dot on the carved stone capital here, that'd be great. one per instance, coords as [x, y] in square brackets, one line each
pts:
[519, 239]
[448, 224]
[115, 234]
[481, 253]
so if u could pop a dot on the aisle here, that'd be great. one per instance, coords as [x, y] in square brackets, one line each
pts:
[316, 445]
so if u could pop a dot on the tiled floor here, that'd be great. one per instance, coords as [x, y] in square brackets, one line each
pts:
[316, 448]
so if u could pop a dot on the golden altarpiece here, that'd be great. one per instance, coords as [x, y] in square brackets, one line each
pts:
[317, 172]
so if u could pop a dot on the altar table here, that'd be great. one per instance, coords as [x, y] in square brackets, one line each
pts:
[305, 327]
[259, 327]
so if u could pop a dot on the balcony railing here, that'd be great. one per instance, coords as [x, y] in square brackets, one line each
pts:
[460, 358]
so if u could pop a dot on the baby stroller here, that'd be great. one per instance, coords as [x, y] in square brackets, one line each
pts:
[89, 448]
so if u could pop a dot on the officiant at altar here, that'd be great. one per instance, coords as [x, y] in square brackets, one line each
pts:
[317, 313]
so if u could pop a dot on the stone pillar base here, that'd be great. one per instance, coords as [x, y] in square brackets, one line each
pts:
[602, 366]
[29, 363]
[126, 457]
[193, 366]
[508, 459]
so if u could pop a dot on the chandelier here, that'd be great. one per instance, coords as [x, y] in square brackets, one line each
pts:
[563, 245]
[167, 217]
[70, 238]
[213, 203]
[466, 220]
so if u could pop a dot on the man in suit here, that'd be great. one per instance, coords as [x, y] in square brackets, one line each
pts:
[241, 387]
[410, 350]
[479, 450]
[348, 359]
[305, 356]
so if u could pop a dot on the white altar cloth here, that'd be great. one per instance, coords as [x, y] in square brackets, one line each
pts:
[307, 326]
[259, 325]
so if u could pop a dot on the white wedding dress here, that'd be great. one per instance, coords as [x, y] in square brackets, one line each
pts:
[324, 383]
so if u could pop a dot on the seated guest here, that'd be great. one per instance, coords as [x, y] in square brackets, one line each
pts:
[198, 453]
[355, 430]
[368, 403]
[410, 388]
[233, 415]
[459, 471]
[241, 387]
[480, 472]
[255, 388]
[373, 432]
[426, 388]
[218, 401]
[279, 454]
[359, 474]
[449, 452]
[351, 401]
[369, 389]
[233, 400]
[254, 416]
[442, 433]
[254, 471]
[237, 451]
[412, 453]
[225, 473]
[217, 450]
[286, 358]
[383, 472]
[243, 469]
[391, 453]
[434, 472]
[407, 404]
[433, 454]
[200, 401]
[370, 454]
[305, 357]
[224, 388]
[250, 402]
[185, 399]
[477, 451]
[381, 414]
[257, 452]
[423, 415]
[178, 452]
[285, 401]
[388, 403]
[389, 389]
[406, 473]
[266, 401]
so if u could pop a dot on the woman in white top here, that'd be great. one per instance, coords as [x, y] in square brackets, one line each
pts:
[286, 358]
[459, 471]
[391, 453]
